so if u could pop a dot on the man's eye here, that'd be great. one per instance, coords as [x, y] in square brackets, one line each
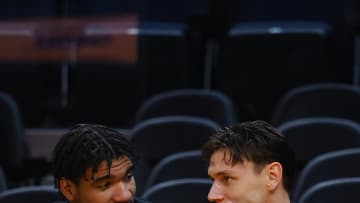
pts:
[104, 186]
[129, 176]
[227, 179]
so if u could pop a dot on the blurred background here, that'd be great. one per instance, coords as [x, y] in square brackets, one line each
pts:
[120, 63]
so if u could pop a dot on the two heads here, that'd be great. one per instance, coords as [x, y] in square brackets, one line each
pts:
[248, 162]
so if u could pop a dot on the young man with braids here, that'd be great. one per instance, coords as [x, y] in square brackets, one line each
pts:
[94, 164]
[249, 162]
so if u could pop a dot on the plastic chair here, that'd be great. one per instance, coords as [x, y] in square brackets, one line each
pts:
[30, 194]
[340, 15]
[186, 164]
[310, 137]
[158, 47]
[344, 190]
[13, 147]
[332, 165]
[260, 61]
[179, 191]
[3, 184]
[159, 137]
[210, 104]
[319, 100]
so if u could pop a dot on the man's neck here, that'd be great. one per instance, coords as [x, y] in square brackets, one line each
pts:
[280, 196]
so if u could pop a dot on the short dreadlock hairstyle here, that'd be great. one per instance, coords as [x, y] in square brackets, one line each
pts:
[255, 141]
[87, 145]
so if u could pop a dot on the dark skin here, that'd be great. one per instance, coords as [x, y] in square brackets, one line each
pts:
[102, 187]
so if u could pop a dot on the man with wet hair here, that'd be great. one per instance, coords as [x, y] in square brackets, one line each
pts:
[249, 162]
[94, 164]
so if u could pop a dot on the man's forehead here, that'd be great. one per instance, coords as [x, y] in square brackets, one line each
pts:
[224, 157]
[221, 155]
[119, 164]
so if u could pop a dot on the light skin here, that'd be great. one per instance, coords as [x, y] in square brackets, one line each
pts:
[242, 183]
[102, 187]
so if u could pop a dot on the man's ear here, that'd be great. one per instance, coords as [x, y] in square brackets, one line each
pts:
[274, 176]
[68, 188]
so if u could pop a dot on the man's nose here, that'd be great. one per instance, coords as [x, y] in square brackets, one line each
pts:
[215, 193]
[122, 193]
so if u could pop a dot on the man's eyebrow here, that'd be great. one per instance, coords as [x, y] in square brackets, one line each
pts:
[221, 173]
[130, 169]
[108, 176]
[101, 178]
